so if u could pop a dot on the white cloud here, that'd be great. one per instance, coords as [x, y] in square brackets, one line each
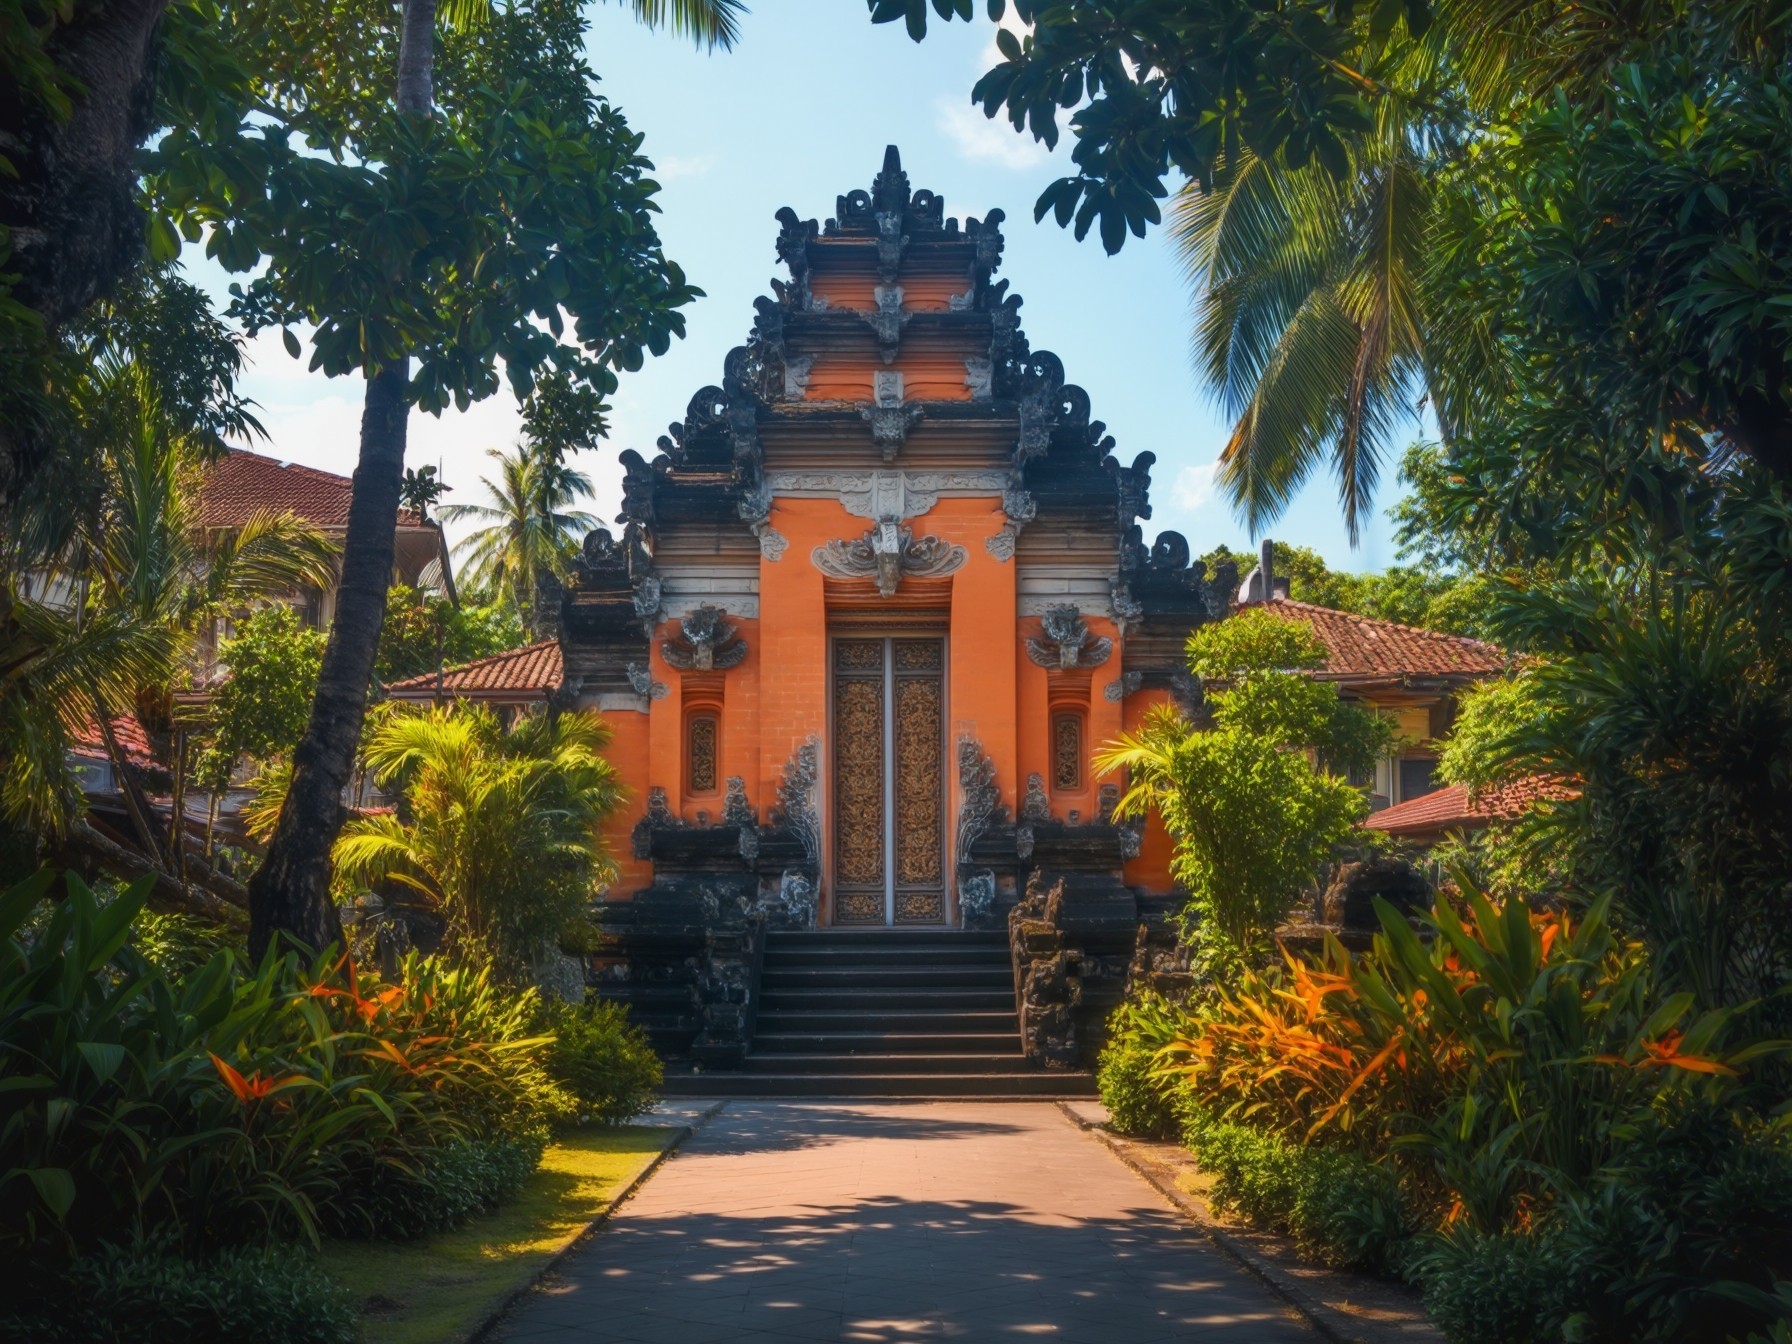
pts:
[1194, 486]
[669, 167]
[982, 140]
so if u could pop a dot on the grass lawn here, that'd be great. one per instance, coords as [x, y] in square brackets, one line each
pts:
[436, 1291]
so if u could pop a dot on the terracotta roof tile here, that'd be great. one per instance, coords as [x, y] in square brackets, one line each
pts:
[1451, 808]
[1361, 646]
[132, 740]
[242, 483]
[533, 671]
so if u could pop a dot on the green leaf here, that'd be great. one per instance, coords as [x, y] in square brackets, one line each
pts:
[55, 1187]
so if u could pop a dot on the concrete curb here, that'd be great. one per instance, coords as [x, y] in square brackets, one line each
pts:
[483, 1330]
[1332, 1324]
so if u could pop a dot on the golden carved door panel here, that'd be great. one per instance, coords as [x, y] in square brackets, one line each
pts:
[888, 783]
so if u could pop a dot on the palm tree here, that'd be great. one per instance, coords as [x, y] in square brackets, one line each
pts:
[530, 532]
[501, 831]
[290, 893]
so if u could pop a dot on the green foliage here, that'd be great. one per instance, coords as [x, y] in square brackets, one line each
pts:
[1336, 1205]
[261, 710]
[456, 1182]
[1140, 1100]
[602, 1059]
[151, 1296]
[232, 1107]
[1253, 817]
[464, 239]
[500, 834]
[423, 630]
[1494, 1288]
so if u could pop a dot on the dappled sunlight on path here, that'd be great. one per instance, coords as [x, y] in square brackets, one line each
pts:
[885, 1222]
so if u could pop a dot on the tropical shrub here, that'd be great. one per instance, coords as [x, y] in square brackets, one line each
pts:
[152, 1296]
[233, 1107]
[452, 1184]
[500, 834]
[605, 1061]
[1252, 813]
[1140, 1099]
[1336, 1205]
[1494, 1288]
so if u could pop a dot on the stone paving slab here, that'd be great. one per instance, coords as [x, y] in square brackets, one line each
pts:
[875, 1222]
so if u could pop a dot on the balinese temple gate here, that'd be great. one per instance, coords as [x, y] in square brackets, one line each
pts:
[872, 607]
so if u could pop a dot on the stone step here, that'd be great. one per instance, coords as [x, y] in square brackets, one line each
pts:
[879, 1065]
[897, 937]
[886, 1000]
[783, 1042]
[890, 977]
[782, 957]
[782, 1021]
[953, 1086]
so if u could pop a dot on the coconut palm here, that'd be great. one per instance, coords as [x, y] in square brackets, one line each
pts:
[529, 529]
[500, 834]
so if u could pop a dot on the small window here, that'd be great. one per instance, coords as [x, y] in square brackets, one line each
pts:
[702, 741]
[1067, 753]
[1418, 776]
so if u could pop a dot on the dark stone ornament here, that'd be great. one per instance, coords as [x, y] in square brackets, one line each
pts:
[1041, 388]
[888, 554]
[887, 321]
[796, 800]
[978, 806]
[1132, 488]
[1035, 808]
[794, 237]
[706, 642]
[658, 817]
[890, 426]
[736, 810]
[641, 679]
[1123, 685]
[1067, 642]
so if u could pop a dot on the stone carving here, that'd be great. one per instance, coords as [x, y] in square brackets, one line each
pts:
[1132, 488]
[893, 493]
[794, 236]
[705, 642]
[797, 896]
[1040, 395]
[1132, 836]
[736, 810]
[1125, 608]
[755, 509]
[978, 797]
[962, 303]
[890, 426]
[796, 377]
[796, 799]
[1066, 642]
[1035, 807]
[887, 321]
[658, 817]
[892, 242]
[647, 598]
[642, 680]
[1019, 508]
[1123, 685]
[888, 553]
[979, 377]
[977, 898]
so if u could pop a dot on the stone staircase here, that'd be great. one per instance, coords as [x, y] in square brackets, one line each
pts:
[885, 1013]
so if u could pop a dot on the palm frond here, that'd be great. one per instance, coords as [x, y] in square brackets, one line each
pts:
[709, 23]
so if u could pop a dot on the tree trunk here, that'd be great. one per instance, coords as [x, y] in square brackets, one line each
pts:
[290, 893]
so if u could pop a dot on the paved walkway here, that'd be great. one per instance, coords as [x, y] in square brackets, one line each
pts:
[874, 1222]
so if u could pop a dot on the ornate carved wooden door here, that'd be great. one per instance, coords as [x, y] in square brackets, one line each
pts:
[888, 785]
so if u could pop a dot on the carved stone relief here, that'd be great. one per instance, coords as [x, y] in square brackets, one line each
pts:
[706, 642]
[888, 553]
[1123, 685]
[978, 806]
[890, 426]
[642, 680]
[887, 321]
[1035, 807]
[979, 377]
[796, 799]
[755, 509]
[894, 493]
[796, 377]
[658, 817]
[1019, 509]
[1066, 642]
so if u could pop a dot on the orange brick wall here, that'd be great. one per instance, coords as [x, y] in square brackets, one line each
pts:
[1151, 870]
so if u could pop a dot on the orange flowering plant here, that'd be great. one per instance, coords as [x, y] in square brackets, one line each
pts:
[1499, 1058]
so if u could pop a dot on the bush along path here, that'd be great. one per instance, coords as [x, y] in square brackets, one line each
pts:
[1508, 1115]
[190, 1143]
[1345, 1307]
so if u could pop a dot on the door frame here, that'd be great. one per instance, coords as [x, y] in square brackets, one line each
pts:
[888, 630]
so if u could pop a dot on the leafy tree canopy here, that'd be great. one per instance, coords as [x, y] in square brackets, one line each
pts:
[424, 630]
[261, 709]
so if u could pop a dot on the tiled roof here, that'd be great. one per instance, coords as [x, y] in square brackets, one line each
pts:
[534, 671]
[132, 741]
[1451, 808]
[241, 484]
[1361, 646]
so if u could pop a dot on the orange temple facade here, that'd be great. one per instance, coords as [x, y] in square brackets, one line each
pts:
[878, 599]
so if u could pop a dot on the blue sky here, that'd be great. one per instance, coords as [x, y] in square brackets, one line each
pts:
[799, 113]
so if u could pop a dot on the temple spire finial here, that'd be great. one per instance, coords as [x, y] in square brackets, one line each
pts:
[889, 190]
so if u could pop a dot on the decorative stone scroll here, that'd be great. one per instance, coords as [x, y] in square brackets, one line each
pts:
[706, 642]
[1019, 508]
[888, 554]
[978, 806]
[797, 808]
[887, 321]
[892, 493]
[1067, 643]
[1123, 685]
[890, 426]
[755, 509]
[641, 679]
[1035, 807]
